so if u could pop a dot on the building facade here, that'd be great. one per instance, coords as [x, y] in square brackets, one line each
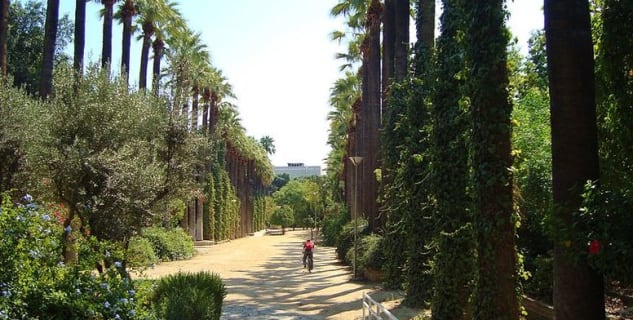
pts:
[298, 170]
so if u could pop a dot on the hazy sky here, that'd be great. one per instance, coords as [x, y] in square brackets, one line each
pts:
[278, 57]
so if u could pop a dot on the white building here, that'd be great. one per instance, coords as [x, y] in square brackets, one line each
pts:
[298, 170]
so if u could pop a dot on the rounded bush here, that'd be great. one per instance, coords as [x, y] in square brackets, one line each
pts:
[189, 296]
[173, 244]
[141, 253]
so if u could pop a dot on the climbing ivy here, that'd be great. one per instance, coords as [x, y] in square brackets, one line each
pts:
[453, 263]
[495, 295]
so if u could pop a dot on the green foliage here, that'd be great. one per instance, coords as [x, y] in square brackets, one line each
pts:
[189, 296]
[141, 253]
[283, 216]
[107, 153]
[333, 226]
[453, 265]
[170, 244]
[16, 110]
[25, 43]
[345, 240]
[540, 283]
[370, 252]
[302, 197]
[614, 91]
[532, 165]
[35, 284]
[280, 181]
[606, 219]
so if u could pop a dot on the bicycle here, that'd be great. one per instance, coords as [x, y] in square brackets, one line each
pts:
[310, 262]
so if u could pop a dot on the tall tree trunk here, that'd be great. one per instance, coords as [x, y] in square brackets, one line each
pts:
[194, 108]
[4, 33]
[48, 57]
[214, 113]
[450, 174]
[370, 117]
[388, 52]
[578, 289]
[158, 45]
[80, 36]
[128, 13]
[206, 100]
[401, 49]
[497, 282]
[106, 47]
[425, 24]
[148, 32]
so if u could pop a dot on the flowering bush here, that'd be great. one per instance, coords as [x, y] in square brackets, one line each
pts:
[606, 221]
[36, 284]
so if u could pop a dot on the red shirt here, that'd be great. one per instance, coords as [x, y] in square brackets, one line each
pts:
[308, 246]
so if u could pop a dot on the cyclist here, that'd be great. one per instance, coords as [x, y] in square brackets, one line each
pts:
[308, 245]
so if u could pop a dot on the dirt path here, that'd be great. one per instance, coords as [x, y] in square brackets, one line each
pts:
[265, 279]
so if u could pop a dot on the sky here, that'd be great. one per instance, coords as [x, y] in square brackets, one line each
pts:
[279, 59]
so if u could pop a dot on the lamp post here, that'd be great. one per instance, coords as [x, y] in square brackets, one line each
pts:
[356, 160]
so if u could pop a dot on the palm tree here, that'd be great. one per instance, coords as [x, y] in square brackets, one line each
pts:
[106, 47]
[127, 12]
[368, 138]
[578, 289]
[218, 89]
[4, 32]
[80, 36]
[354, 11]
[48, 57]
[388, 48]
[188, 60]
[425, 24]
[154, 15]
[343, 95]
[401, 53]
[497, 283]
[173, 26]
[268, 143]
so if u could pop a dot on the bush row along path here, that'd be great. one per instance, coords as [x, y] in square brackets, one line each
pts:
[265, 279]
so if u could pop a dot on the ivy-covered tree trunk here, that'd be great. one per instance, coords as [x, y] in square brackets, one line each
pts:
[454, 264]
[496, 289]
[425, 25]
[615, 94]
[578, 289]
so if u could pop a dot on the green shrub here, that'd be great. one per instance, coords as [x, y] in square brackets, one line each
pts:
[539, 284]
[34, 284]
[186, 296]
[345, 240]
[141, 253]
[283, 216]
[369, 252]
[173, 244]
[332, 226]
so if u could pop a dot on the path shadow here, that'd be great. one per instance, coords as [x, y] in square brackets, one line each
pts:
[283, 287]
